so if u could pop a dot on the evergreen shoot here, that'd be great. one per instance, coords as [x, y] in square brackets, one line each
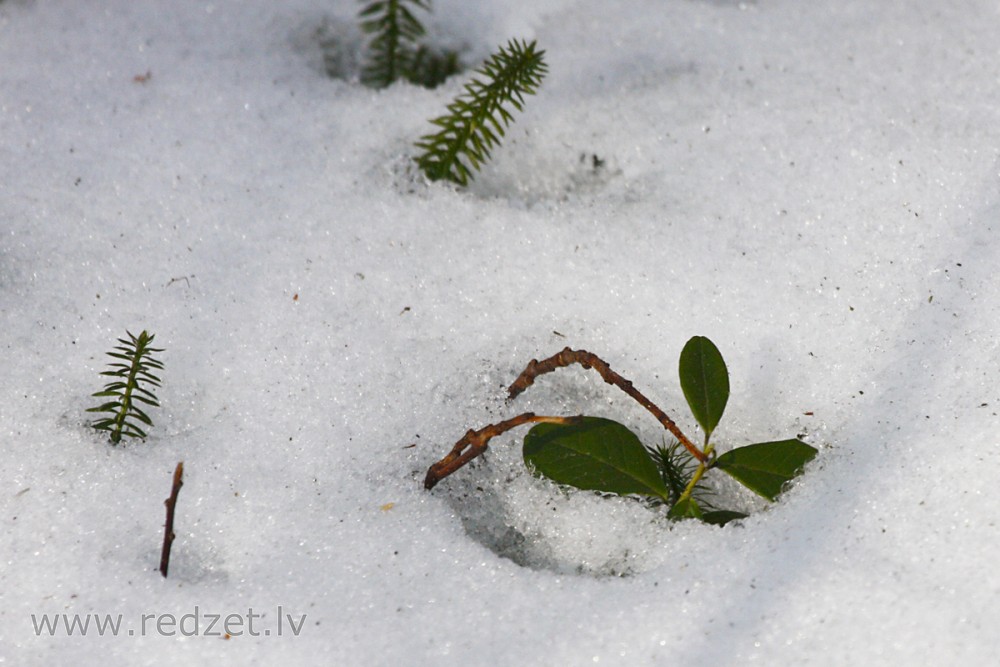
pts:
[432, 66]
[132, 378]
[677, 467]
[479, 117]
[394, 45]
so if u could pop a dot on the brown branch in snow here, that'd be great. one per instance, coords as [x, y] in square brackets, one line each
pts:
[474, 443]
[168, 529]
[589, 360]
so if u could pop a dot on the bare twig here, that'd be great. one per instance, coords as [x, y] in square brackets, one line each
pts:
[474, 443]
[586, 359]
[168, 529]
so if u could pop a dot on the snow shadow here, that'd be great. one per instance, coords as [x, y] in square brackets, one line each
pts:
[539, 526]
[810, 540]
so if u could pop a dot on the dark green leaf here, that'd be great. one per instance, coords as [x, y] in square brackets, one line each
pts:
[705, 382]
[141, 393]
[105, 407]
[134, 431]
[722, 517]
[766, 467]
[110, 391]
[685, 509]
[597, 454]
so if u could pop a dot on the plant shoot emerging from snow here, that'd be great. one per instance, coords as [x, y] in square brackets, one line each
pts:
[394, 52]
[478, 118]
[603, 455]
[132, 379]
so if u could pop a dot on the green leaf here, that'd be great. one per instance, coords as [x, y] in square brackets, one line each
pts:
[722, 517]
[685, 509]
[766, 467]
[151, 380]
[133, 431]
[109, 391]
[140, 415]
[105, 407]
[596, 454]
[705, 382]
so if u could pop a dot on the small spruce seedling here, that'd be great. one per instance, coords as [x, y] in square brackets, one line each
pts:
[131, 384]
[478, 118]
[602, 455]
[394, 51]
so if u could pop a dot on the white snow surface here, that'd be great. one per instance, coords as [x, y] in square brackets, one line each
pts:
[813, 185]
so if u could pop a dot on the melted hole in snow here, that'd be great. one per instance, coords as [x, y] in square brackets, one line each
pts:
[538, 525]
[331, 46]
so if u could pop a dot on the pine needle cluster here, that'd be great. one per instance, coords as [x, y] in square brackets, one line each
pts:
[132, 378]
[479, 117]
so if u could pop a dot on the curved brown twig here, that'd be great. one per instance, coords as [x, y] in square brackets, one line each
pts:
[586, 359]
[474, 443]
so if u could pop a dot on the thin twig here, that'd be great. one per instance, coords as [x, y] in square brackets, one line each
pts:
[589, 360]
[168, 529]
[474, 443]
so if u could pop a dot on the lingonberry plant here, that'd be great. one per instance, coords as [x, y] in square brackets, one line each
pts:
[603, 455]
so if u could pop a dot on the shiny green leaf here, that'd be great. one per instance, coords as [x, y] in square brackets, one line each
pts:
[766, 467]
[596, 454]
[705, 382]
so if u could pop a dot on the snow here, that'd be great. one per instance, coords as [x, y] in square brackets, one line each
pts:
[814, 186]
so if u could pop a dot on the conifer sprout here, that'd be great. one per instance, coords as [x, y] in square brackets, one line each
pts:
[394, 51]
[677, 467]
[132, 377]
[394, 45]
[479, 117]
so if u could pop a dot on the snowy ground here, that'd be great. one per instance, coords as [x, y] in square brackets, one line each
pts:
[814, 186]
